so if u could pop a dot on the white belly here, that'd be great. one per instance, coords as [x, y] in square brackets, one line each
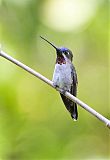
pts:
[62, 76]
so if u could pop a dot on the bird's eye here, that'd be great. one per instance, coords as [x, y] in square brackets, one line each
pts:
[67, 53]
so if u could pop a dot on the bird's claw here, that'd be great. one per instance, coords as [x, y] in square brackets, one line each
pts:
[55, 85]
[62, 91]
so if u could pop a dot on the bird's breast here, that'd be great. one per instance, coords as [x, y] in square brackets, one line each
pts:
[63, 72]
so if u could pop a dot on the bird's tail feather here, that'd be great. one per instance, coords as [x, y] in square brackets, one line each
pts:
[74, 113]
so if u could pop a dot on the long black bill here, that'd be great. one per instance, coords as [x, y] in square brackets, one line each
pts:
[49, 42]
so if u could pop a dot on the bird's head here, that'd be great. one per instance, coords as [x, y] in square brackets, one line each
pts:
[62, 52]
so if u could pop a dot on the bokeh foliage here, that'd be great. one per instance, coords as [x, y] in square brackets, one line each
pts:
[34, 123]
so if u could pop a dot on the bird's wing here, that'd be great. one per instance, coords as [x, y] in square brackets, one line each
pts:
[75, 81]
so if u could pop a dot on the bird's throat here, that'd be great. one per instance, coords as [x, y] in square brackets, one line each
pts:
[61, 60]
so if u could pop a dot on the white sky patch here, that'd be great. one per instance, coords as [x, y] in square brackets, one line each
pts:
[67, 15]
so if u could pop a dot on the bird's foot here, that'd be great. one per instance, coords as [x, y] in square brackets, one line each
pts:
[55, 86]
[62, 91]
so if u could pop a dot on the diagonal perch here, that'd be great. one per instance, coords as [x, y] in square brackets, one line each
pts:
[67, 94]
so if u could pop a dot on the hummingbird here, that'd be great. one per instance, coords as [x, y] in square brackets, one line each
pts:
[65, 77]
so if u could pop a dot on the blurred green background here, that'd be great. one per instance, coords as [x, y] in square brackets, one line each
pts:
[34, 124]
